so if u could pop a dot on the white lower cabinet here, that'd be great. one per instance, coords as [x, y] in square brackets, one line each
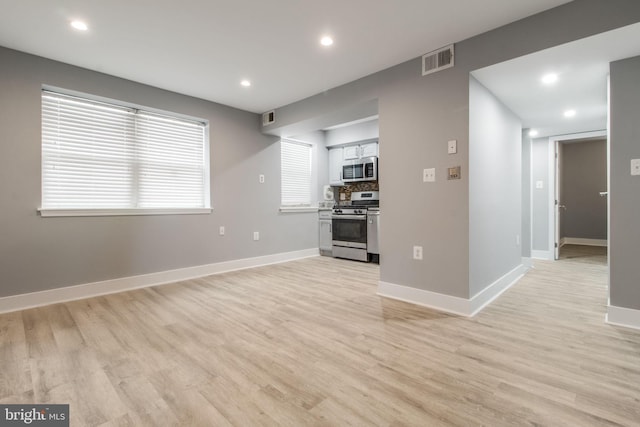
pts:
[326, 236]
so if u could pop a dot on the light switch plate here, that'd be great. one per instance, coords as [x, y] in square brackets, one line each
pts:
[635, 166]
[429, 175]
[222, 230]
[539, 184]
[256, 235]
[452, 146]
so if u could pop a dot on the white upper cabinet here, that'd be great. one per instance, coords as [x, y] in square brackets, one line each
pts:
[368, 149]
[352, 152]
[335, 166]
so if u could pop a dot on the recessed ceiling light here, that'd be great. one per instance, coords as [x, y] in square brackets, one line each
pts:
[326, 41]
[245, 83]
[533, 132]
[550, 78]
[570, 113]
[79, 25]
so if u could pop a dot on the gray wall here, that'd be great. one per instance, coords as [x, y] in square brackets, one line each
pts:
[584, 176]
[355, 132]
[495, 171]
[526, 195]
[540, 196]
[417, 116]
[624, 191]
[559, 186]
[43, 253]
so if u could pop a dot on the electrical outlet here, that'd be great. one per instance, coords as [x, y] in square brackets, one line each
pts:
[261, 179]
[429, 175]
[417, 252]
[256, 235]
[222, 230]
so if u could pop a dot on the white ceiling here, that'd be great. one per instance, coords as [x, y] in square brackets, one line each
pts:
[204, 48]
[582, 67]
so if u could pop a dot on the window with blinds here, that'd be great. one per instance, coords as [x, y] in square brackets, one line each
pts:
[98, 156]
[296, 173]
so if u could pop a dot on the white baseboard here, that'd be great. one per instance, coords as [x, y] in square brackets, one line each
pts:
[71, 293]
[585, 242]
[450, 304]
[437, 301]
[494, 290]
[546, 255]
[621, 316]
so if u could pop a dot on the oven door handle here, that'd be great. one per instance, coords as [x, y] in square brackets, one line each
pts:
[357, 217]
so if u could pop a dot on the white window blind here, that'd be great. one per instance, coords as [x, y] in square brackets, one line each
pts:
[296, 173]
[97, 155]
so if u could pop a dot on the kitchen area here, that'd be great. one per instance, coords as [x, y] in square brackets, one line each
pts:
[350, 212]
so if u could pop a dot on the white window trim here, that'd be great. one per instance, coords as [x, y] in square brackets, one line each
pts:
[297, 209]
[121, 212]
[142, 211]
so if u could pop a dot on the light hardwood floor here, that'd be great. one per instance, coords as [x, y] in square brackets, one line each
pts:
[309, 343]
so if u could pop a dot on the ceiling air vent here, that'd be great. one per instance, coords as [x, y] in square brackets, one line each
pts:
[437, 60]
[269, 117]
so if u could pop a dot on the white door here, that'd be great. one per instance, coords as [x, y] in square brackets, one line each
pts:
[559, 207]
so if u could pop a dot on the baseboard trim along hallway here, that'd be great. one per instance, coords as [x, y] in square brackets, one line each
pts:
[450, 304]
[545, 255]
[71, 293]
[584, 242]
[621, 316]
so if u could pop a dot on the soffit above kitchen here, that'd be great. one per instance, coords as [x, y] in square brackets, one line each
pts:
[205, 48]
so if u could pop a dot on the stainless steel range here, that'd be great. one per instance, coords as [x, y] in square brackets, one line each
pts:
[349, 226]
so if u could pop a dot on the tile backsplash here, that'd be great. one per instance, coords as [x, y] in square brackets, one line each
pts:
[350, 188]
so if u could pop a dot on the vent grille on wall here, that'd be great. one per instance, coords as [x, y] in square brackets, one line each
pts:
[268, 117]
[437, 60]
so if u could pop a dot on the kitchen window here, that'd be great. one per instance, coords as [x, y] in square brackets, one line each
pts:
[106, 158]
[295, 174]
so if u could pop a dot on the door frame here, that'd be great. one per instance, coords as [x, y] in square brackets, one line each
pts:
[554, 170]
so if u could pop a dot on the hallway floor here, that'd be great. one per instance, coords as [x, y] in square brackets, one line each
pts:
[309, 343]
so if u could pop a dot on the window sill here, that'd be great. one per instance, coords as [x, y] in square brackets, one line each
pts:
[297, 209]
[121, 212]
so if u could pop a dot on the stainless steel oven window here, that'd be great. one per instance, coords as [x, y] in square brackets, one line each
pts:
[349, 230]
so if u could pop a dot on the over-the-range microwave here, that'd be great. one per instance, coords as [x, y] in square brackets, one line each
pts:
[365, 169]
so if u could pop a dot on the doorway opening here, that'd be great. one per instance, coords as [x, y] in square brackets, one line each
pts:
[579, 204]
